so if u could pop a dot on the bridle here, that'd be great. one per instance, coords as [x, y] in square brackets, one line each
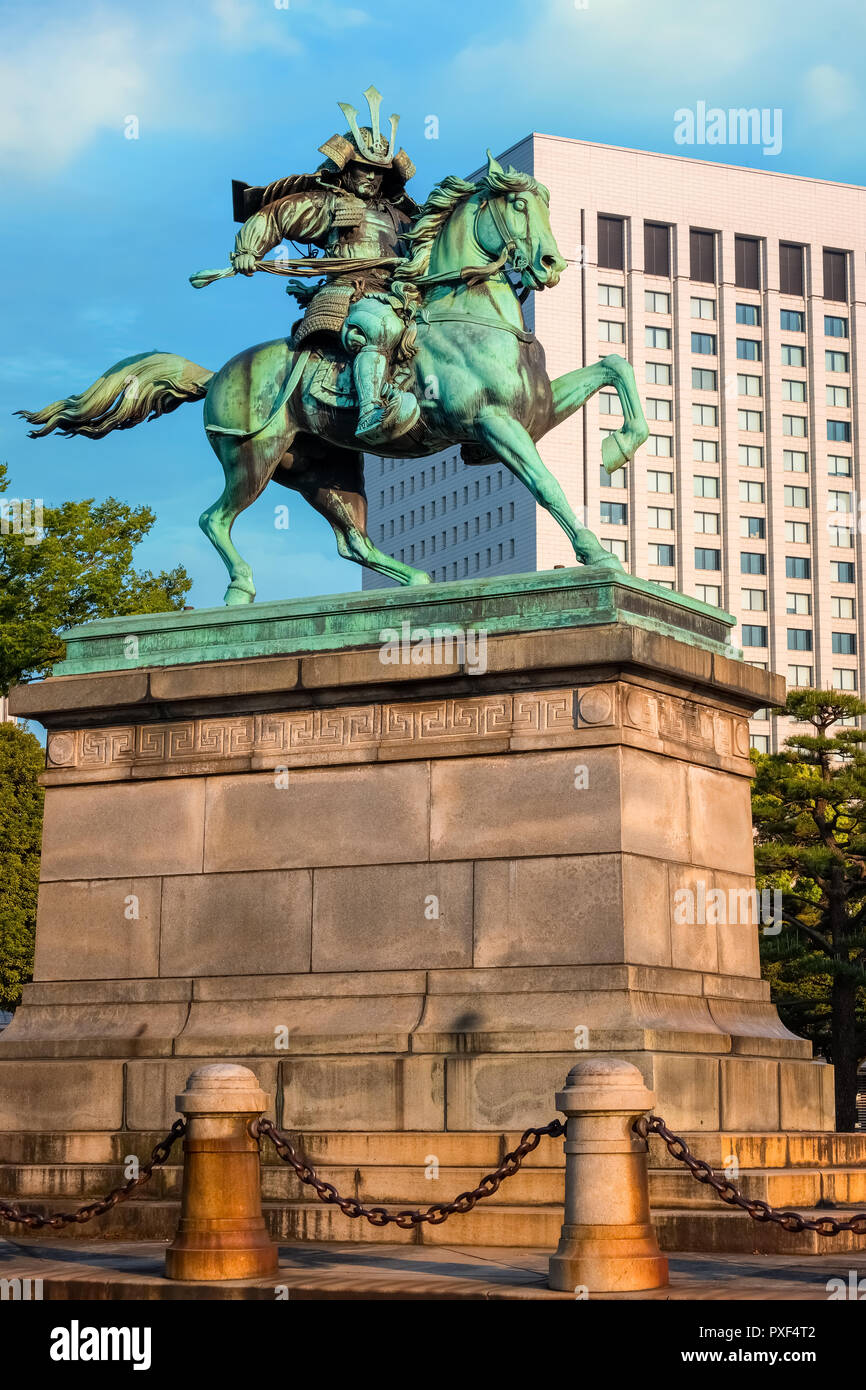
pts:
[511, 252]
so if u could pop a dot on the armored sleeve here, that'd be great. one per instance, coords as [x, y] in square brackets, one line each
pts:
[298, 217]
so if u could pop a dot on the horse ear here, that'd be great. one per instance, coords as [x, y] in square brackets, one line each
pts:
[493, 165]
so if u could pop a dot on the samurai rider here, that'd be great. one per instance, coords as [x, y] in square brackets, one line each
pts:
[355, 209]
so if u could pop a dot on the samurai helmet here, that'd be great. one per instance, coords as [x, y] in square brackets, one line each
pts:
[367, 145]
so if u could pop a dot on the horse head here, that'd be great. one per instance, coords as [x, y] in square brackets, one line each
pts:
[514, 217]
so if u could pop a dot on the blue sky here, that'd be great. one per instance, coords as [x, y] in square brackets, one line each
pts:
[100, 232]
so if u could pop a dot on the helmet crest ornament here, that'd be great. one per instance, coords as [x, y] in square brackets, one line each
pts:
[374, 149]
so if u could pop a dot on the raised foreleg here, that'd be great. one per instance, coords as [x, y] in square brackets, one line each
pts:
[574, 389]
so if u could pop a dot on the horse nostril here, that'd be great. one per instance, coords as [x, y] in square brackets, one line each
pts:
[549, 262]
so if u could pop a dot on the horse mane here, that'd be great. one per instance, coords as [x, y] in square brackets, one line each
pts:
[444, 198]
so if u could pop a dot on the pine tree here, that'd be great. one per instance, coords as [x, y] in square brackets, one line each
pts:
[809, 807]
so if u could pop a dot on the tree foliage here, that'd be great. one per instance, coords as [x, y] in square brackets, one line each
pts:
[809, 807]
[21, 761]
[76, 568]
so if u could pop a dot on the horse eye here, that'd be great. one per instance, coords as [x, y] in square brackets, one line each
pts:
[520, 204]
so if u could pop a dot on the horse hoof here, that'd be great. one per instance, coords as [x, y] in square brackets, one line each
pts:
[418, 579]
[235, 594]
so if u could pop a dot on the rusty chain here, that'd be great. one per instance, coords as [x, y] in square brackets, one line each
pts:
[759, 1211]
[36, 1221]
[435, 1215]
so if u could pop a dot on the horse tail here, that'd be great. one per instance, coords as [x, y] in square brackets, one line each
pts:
[136, 389]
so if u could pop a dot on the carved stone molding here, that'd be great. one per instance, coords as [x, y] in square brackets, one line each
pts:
[550, 717]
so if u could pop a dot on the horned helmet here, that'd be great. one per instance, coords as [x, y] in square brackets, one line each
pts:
[367, 145]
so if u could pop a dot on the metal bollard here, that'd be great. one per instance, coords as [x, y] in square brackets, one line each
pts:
[607, 1243]
[221, 1233]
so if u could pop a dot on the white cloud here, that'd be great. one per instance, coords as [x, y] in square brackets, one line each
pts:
[831, 94]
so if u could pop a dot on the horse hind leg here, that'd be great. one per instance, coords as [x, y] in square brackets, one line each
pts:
[335, 488]
[248, 465]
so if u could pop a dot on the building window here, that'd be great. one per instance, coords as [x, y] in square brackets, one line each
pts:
[844, 679]
[703, 343]
[792, 321]
[709, 593]
[707, 523]
[750, 420]
[656, 249]
[707, 559]
[842, 571]
[660, 446]
[702, 256]
[610, 242]
[703, 308]
[614, 513]
[704, 379]
[750, 455]
[754, 636]
[843, 643]
[657, 338]
[661, 554]
[659, 482]
[835, 327]
[610, 331]
[836, 361]
[838, 430]
[841, 607]
[657, 409]
[835, 275]
[793, 390]
[797, 532]
[753, 600]
[749, 314]
[749, 349]
[800, 675]
[794, 425]
[798, 567]
[705, 450]
[705, 415]
[799, 639]
[793, 356]
[798, 603]
[747, 262]
[617, 479]
[657, 302]
[705, 486]
[794, 461]
[660, 518]
[753, 528]
[790, 268]
[838, 396]
[748, 385]
[752, 562]
[608, 403]
[752, 492]
[838, 466]
[612, 296]
[839, 501]
[760, 742]
[658, 373]
[617, 548]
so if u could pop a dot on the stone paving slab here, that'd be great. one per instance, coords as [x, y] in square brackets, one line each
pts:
[120, 1271]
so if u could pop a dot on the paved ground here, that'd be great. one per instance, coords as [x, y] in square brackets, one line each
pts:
[124, 1270]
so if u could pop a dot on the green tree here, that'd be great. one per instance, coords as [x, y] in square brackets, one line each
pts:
[809, 807]
[77, 567]
[21, 761]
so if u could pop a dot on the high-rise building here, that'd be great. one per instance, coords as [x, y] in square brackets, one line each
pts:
[737, 295]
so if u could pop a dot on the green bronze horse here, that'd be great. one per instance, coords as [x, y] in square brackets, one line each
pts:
[479, 377]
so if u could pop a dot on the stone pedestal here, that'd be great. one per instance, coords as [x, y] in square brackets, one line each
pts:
[404, 892]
